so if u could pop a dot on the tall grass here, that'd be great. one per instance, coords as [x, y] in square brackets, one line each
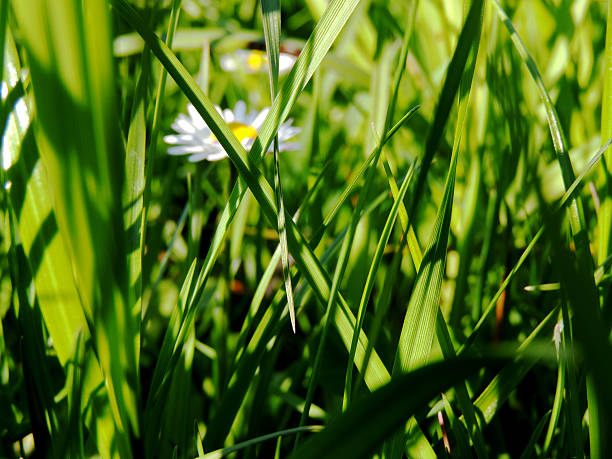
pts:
[425, 274]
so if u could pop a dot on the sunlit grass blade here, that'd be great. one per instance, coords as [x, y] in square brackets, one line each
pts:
[36, 223]
[399, 71]
[70, 62]
[271, 322]
[134, 189]
[365, 297]
[270, 10]
[604, 221]
[419, 323]
[420, 320]
[169, 354]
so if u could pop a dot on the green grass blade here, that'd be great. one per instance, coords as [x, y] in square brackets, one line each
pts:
[367, 423]
[565, 199]
[419, 322]
[604, 222]
[255, 441]
[270, 10]
[36, 224]
[504, 383]
[134, 189]
[592, 340]
[365, 297]
[69, 53]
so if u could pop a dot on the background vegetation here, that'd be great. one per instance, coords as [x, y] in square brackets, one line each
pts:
[444, 228]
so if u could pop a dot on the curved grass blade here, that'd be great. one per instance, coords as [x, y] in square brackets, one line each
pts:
[368, 422]
[255, 441]
[504, 383]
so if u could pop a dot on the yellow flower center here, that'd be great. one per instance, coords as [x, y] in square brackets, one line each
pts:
[256, 60]
[241, 131]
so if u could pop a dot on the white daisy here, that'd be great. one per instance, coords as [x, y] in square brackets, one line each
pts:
[255, 61]
[194, 138]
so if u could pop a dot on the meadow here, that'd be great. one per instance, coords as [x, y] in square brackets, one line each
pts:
[306, 228]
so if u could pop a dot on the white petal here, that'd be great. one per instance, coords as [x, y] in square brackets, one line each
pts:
[228, 115]
[196, 119]
[288, 132]
[285, 62]
[187, 149]
[289, 146]
[197, 157]
[217, 155]
[240, 111]
[183, 125]
[259, 119]
[229, 63]
[180, 139]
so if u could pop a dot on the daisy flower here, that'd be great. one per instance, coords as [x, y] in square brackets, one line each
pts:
[195, 139]
[255, 61]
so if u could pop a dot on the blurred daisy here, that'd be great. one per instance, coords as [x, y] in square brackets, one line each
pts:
[255, 61]
[195, 139]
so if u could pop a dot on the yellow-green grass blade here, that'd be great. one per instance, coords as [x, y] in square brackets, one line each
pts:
[555, 412]
[367, 291]
[413, 245]
[368, 422]
[270, 10]
[134, 189]
[36, 224]
[419, 326]
[419, 323]
[69, 54]
[604, 221]
[444, 104]
[381, 118]
[155, 123]
[48, 259]
[340, 269]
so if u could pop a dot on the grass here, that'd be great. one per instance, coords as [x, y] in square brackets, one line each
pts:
[425, 274]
